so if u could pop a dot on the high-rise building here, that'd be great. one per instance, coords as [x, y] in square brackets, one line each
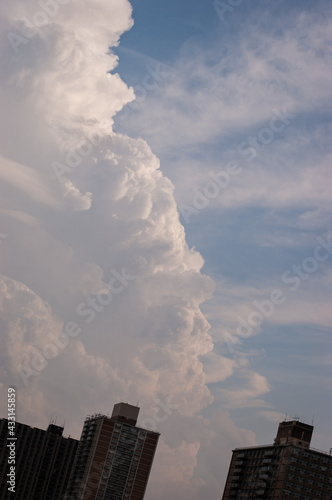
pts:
[286, 470]
[42, 461]
[114, 457]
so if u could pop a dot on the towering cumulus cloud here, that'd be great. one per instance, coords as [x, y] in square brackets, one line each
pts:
[100, 294]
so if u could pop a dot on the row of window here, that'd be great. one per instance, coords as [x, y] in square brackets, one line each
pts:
[312, 466]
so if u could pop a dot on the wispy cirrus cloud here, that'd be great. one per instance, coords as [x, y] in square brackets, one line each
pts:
[219, 99]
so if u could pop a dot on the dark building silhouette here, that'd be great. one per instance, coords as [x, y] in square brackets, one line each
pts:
[286, 470]
[114, 457]
[294, 432]
[43, 462]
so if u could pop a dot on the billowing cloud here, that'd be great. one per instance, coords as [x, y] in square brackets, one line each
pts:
[100, 293]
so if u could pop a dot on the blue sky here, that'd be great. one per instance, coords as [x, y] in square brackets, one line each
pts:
[253, 244]
[165, 222]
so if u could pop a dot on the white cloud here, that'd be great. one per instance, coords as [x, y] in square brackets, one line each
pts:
[210, 96]
[247, 395]
[235, 320]
[111, 214]
[217, 98]
[217, 368]
[27, 180]
[114, 212]
[273, 416]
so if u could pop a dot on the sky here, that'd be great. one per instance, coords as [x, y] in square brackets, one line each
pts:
[165, 222]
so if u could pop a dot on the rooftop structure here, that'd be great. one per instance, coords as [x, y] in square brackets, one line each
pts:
[286, 470]
[114, 457]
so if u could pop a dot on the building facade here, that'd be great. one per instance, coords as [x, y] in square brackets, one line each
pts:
[43, 461]
[286, 470]
[114, 457]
